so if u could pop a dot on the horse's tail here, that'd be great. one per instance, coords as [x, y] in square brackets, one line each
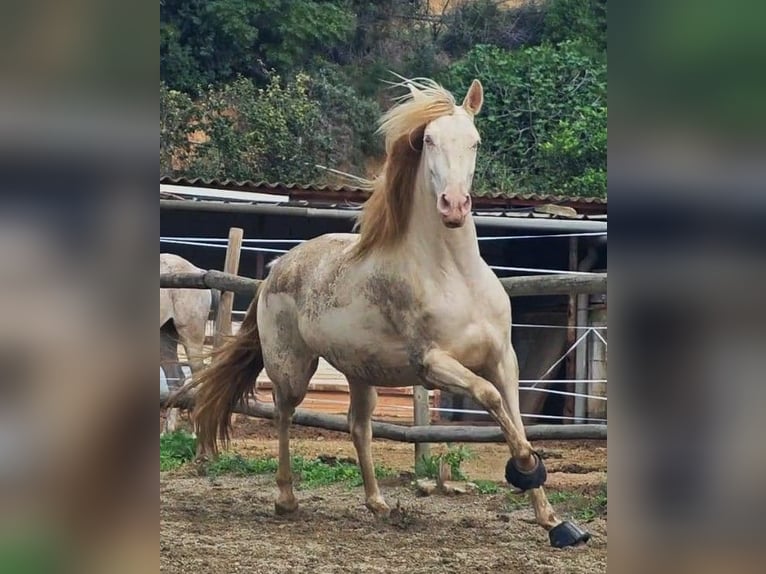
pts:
[228, 379]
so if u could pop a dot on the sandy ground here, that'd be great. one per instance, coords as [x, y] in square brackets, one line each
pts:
[227, 524]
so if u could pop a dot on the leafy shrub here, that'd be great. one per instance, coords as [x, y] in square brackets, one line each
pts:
[579, 21]
[205, 42]
[277, 133]
[178, 118]
[487, 22]
[347, 121]
[544, 120]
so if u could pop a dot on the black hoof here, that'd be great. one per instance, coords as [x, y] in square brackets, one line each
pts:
[567, 534]
[525, 480]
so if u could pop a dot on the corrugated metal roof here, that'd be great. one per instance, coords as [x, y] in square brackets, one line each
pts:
[350, 193]
[257, 186]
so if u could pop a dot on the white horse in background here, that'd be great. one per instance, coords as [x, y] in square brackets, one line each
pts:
[183, 318]
[407, 301]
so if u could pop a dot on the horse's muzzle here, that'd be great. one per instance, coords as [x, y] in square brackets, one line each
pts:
[454, 207]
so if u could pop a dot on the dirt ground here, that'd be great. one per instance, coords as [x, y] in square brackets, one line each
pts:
[227, 524]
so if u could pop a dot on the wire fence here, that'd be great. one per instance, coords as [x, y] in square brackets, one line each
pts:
[220, 243]
[526, 384]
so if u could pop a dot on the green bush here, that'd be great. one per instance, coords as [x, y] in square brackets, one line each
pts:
[276, 133]
[580, 21]
[347, 121]
[487, 22]
[544, 120]
[178, 117]
[205, 42]
[279, 86]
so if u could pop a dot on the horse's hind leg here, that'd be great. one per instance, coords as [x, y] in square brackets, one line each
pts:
[192, 337]
[290, 386]
[171, 420]
[363, 399]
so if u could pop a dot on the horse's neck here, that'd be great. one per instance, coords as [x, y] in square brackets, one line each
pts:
[432, 245]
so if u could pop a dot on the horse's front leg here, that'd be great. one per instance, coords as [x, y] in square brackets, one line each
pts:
[363, 399]
[505, 377]
[442, 371]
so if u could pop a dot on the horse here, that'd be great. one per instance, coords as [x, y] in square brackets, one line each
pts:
[407, 300]
[183, 316]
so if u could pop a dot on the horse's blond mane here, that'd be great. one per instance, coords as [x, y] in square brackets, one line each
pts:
[385, 216]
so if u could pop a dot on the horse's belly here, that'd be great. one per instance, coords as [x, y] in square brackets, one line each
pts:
[362, 347]
[372, 370]
[383, 363]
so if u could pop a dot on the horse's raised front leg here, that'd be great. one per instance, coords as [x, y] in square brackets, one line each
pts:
[442, 371]
[506, 378]
[363, 399]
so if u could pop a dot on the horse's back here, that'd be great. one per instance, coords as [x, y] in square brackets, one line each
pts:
[172, 263]
[189, 308]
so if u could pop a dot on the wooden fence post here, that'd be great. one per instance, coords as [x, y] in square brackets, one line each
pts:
[231, 265]
[422, 417]
[569, 401]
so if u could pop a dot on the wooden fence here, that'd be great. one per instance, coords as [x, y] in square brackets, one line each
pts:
[421, 434]
[413, 434]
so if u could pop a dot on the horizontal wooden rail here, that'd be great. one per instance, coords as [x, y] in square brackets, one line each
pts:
[514, 286]
[413, 434]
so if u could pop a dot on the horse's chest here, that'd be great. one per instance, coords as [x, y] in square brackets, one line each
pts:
[474, 344]
[474, 336]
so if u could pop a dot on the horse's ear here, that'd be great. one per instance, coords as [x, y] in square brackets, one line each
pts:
[474, 98]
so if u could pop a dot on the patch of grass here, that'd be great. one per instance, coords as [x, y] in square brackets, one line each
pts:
[176, 448]
[309, 473]
[454, 457]
[562, 496]
[514, 501]
[576, 505]
[238, 465]
[596, 506]
[315, 472]
[487, 486]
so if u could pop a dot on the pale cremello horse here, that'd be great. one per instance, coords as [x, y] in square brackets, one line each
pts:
[407, 301]
[189, 310]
